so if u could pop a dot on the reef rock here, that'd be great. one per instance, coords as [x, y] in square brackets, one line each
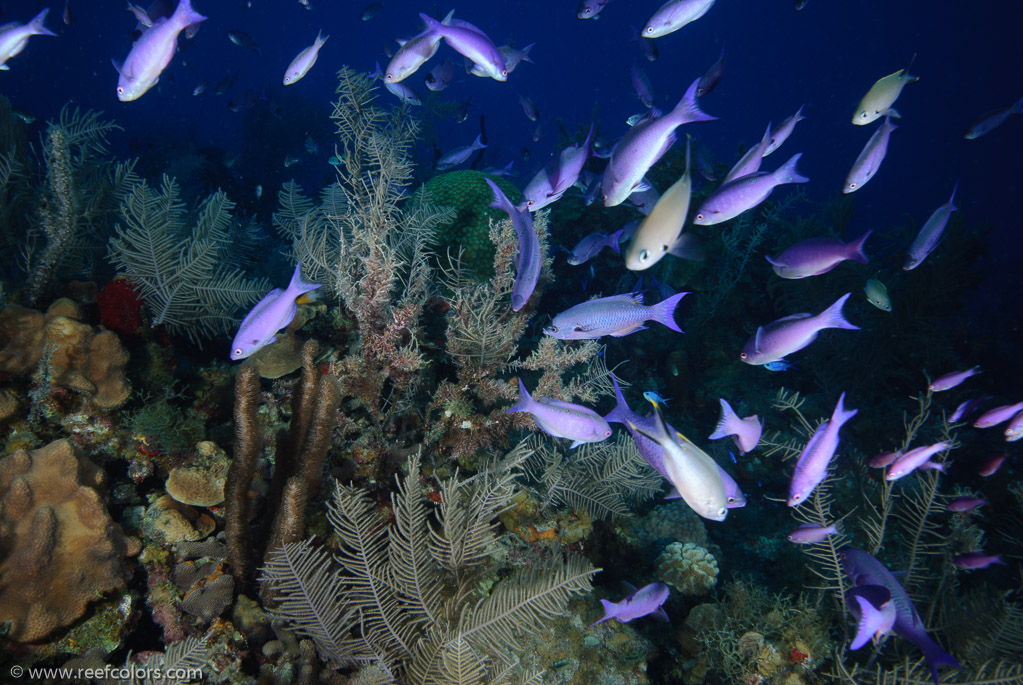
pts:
[201, 482]
[688, 568]
[60, 549]
[77, 356]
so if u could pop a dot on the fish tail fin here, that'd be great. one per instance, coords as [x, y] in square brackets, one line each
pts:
[951, 200]
[687, 246]
[664, 311]
[478, 143]
[935, 655]
[857, 254]
[189, 16]
[320, 38]
[525, 403]
[298, 285]
[38, 27]
[609, 610]
[621, 412]
[833, 317]
[501, 200]
[614, 238]
[1017, 108]
[525, 53]
[687, 110]
[799, 113]
[432, 24]
[726, 424]
[787, 172]
[841, 414]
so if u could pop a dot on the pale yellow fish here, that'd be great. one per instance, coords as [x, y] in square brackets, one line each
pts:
[662, 226]
[882, 95]
[877, 295]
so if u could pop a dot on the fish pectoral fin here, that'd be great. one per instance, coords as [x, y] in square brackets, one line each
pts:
[575, 443]
[118, 65]
[660, 615]
[4, 67]
[892, 112]
[627, 331]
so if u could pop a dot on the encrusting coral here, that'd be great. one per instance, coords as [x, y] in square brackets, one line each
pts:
[75, 355]
[200, 482]
[688, 568]
[61, 549]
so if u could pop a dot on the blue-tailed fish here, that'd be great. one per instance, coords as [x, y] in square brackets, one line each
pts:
[617, 315]
[275, 311]
[882, 95]
[993, 120]
[673, 15]
[780, 338]
[691, 470]
[870, 158]
[780, 134]
[529, 260]
[304, 61]
[646, 601]
[152, 52]
[930, 235]
[563, 419]
[14, 37]
[739, 195]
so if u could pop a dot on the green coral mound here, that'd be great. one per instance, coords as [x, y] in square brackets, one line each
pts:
[469, 195]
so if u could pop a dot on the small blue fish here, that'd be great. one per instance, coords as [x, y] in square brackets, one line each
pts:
[275, 311]
[780, 365]
[654, 398]
[646, 601]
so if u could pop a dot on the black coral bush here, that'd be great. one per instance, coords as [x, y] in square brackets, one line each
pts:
[422, 596]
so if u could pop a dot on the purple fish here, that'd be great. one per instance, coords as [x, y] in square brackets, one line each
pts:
[741, 194]
[874, 612]
[778, 339]
[864, 569]
[644, 144]
[746, 431]
[749, 163]
[651, 452]
[440, 76]
[529, 260]
[930, 235]
[513, 57]
[1014, 431]
[809, 533]
[998, 415]
[413, 53]
[14, 36]
[967, 408]
[641, 84]
[590, 246]
[589, 9]
[646, 601]
[869, 161]
[152, 52]
[975, 560]
[817, 256]
[554, 180]
[472, 44]
[712, 77]
[673, 15]
[460, 155]
[617, 316]
[991, 466]
[733, 493]
[965, 503]
[884, 459]
[812, 467]
[563, 419]
[913, 459]
[951, 380]
[993, 120]
[275, 311]
[784, 130]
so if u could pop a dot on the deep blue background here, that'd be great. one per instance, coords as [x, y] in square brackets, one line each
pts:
[826, 57]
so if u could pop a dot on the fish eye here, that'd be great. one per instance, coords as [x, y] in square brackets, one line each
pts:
[723, 511]
[529, 203]
[853, 184]
[649, 29]
[552, 329]
[120, 90]
[742, 355]
[587, 10]
[664, 248]
[644, 255]
[864, 115]
[731, 500]
[504, 72]
[607, 434]
[237, 350]
[796, 497]
[700, 216]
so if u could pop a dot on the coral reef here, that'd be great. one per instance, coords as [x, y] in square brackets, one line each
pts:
[67, 352]
[688, 568]
[62, 549]
[201, 481]
[168, 521]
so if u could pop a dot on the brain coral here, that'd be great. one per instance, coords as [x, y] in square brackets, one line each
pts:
[60, 548]
[468, 194]
[688, 568]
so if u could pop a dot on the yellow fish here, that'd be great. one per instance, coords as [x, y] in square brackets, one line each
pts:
[877, 295]
[882, 95]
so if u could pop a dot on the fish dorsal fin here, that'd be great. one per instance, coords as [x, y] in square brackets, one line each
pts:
[794, 317]
[757, 339]
[629, 587]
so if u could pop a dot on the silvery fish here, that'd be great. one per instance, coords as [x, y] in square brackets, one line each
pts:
[812, 467]
[472, 44]
[993, 120]
[646, 601]
[14, 37]
[589, 9]
[673, 15]
[275, 311]
[809, 533]
[865, 570]
[152, 52]
[870, 158]
[1014, 431]
[641, 84]
[746, 431]
[930, 235]
[951, 380]
[460, 155]
[913, 459]
[817, 256]
[778, 339]
[617, 316]
[528, 261]
[877, 295]
[784, 130]
[749, 163]
[658, 233]
[882, 95]
[712, 77]
[643, 145]
[874, 612]
[440, 76]
[591, 245]
[529, 108]
[513, 57]
[694, 474]
[563, 419]
[742, 194]
[998, 415]
[554, 180]
[304, 61]
[413, 53]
